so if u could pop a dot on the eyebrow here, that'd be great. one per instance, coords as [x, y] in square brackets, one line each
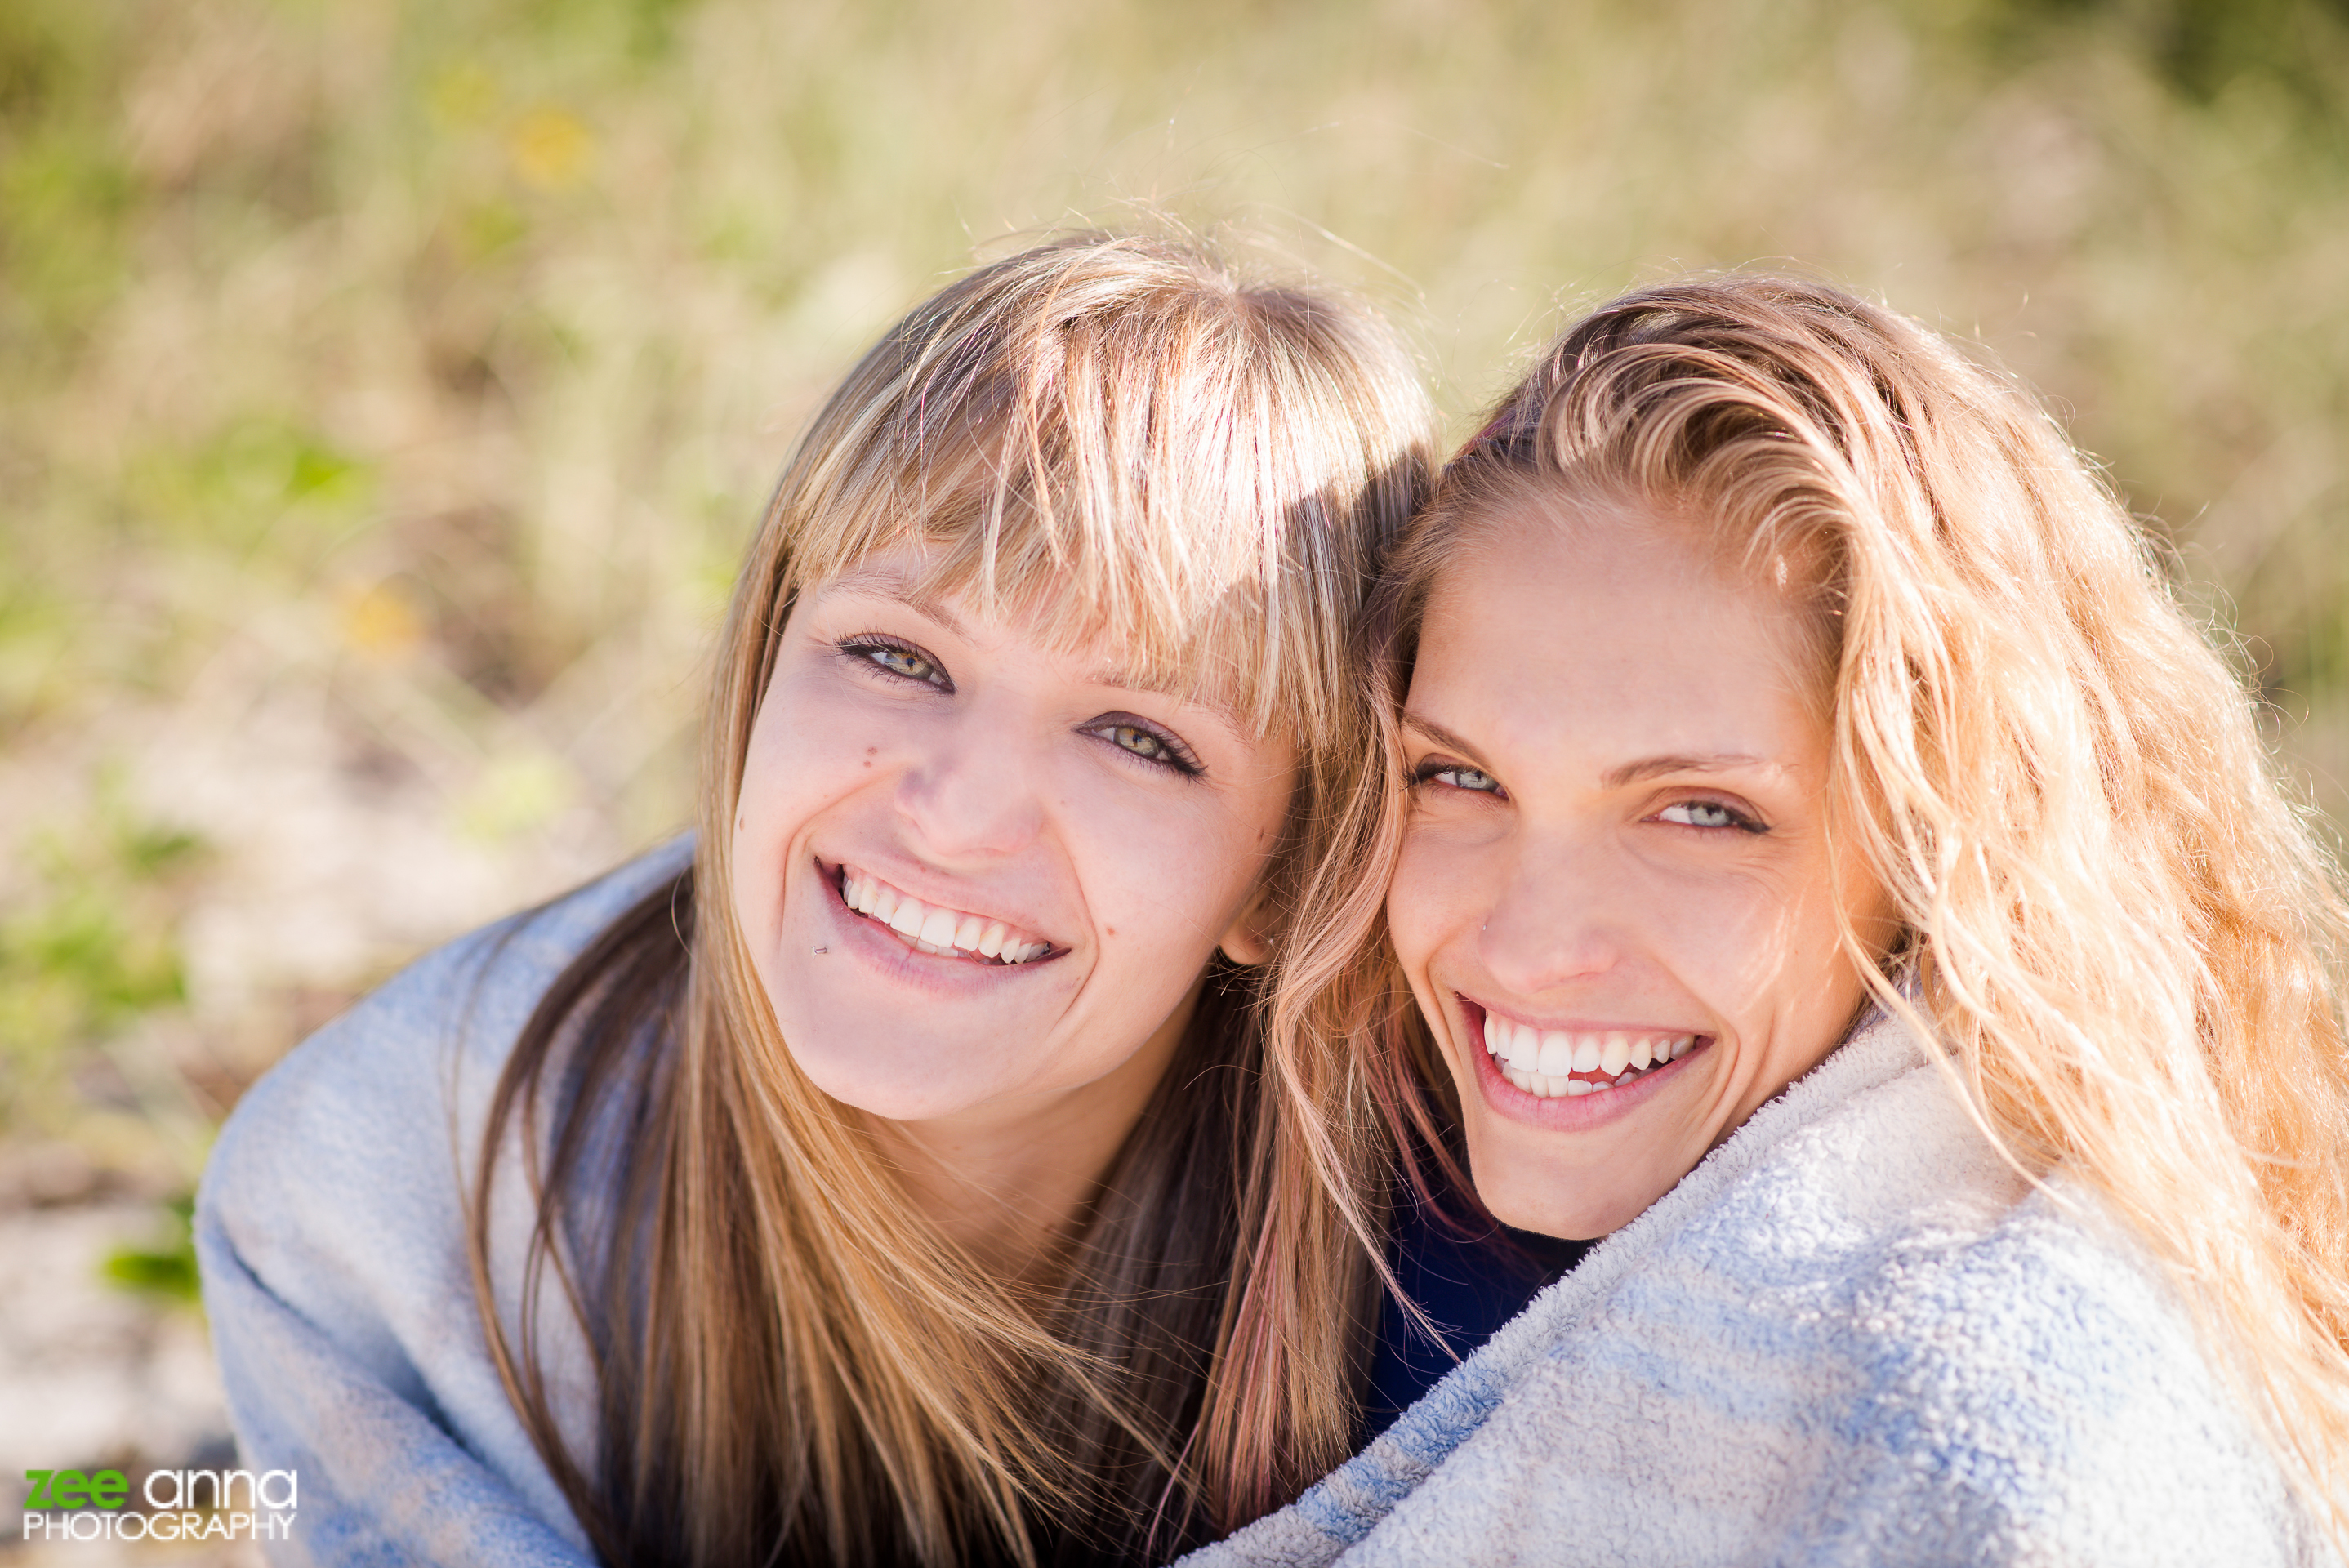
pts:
[1681, 762]
[1137, 681]
[878, 583]
[1615, 778]
[1441, 736]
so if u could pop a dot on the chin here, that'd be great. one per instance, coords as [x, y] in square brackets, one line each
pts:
[890, 1097]
[1570, 1203]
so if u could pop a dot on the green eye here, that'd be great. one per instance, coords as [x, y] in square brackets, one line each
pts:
[904, 662]
[1138, 740]
[1151, 745]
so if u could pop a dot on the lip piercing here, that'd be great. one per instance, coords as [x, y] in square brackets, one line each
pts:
[819, 950]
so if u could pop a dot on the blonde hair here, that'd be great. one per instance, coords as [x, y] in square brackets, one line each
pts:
[2127, 941]
[1123, 438]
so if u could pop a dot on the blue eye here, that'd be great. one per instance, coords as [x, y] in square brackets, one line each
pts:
[1458, 775]
[1707, 814]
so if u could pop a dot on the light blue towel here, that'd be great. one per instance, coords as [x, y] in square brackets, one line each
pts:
[332, 1235]
[1853, 1335]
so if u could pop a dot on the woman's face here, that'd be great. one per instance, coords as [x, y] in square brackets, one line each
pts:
[978, 874]
[1615, 901]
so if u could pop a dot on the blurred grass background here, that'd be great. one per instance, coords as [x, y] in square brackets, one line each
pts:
[386, 390]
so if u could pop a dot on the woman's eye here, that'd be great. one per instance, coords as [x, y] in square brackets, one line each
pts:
[1150, 745]
[1705, 814]
[1459, 776]
[899, 659]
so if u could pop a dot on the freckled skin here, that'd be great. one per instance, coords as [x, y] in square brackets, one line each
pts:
[999, 796]
[1563, 652]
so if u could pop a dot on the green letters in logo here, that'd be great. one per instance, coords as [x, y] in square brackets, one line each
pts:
[71, 1490]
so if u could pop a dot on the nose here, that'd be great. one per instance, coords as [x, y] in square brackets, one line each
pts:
[1555, 921]
[972, 792]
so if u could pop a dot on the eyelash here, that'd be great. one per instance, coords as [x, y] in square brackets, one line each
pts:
[1738, 822]
[1177, 757]
[864, 645]
[1433, 771]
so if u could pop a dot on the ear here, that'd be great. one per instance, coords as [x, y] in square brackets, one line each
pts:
[1246, 941]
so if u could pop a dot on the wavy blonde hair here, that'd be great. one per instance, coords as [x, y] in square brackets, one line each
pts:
[1125, 438]
[2128, 941]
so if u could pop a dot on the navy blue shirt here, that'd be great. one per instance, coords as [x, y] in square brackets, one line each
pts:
[1470, 1284]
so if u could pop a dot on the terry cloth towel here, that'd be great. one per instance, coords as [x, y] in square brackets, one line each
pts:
[331, 1231]
[1853, 1335]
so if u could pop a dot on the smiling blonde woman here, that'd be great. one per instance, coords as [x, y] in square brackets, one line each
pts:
[1832, 873]
[882, 1177]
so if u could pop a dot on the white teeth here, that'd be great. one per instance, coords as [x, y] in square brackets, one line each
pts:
[1541, 1062]
[1615, 1056]
[1556, 1055]
[932, 929]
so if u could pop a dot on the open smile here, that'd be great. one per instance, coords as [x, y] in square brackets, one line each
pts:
[1551, 1063]
[935, 929]
[1533, 1073]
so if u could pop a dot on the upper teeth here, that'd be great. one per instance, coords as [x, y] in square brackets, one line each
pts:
[933, 928]
[1542, 1061]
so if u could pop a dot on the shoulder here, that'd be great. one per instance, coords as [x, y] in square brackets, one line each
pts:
[356, 1148]
[331, 1225]
[391, 1078]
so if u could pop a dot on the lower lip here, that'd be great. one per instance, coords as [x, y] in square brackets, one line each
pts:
[864, 937]
[1568, 1113]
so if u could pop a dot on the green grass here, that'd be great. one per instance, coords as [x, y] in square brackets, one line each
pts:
[438, 354]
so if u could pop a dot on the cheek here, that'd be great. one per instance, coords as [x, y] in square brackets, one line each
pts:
[1168, 878]
[1435, 894]
[798, 765]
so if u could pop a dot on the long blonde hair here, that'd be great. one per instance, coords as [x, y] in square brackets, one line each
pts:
[2128, 942]
[1123, 437]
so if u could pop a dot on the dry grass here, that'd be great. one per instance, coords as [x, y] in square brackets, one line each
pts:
[386, 390]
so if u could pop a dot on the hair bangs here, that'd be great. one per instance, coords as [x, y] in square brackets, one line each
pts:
[1172, 484]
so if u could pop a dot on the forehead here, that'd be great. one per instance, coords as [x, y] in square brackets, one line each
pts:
[1611, 629]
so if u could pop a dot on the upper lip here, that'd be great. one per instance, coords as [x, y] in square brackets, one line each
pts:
[1572, 1026]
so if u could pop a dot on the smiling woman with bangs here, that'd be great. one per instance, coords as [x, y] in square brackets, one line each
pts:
[885, 1174]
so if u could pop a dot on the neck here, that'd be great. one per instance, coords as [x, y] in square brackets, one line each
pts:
[1007, 1179]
